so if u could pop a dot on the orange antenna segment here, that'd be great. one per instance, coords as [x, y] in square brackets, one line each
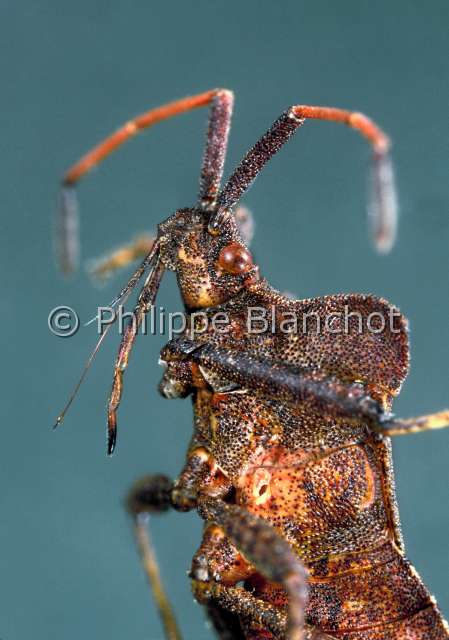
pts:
[129, 129]
[359, 121]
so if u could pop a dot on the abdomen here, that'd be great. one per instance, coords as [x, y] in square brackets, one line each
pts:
[333, 509]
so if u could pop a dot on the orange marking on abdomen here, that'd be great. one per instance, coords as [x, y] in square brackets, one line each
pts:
[370, 494]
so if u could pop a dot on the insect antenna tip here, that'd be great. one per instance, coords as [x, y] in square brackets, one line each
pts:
[68, 230]
[111, 444]
[112, 438]
[383, 205]
[58, 421]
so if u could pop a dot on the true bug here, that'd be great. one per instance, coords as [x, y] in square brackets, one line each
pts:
[290, 463]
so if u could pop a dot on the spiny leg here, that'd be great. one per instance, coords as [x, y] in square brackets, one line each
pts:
[152, 495]
[144, 302]
[293, 384]
[279, 380]
[271, 556]
[267, 551]
[221, 100]
[102, 268]
[240, 602]
[383, 206]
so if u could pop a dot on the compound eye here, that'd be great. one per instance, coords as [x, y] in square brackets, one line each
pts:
[235, 259]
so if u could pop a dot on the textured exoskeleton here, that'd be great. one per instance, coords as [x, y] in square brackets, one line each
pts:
[290, 459]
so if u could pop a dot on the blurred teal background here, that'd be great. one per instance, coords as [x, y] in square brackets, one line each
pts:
[70, 73]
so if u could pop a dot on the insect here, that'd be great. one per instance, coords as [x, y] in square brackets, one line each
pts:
[289, 464]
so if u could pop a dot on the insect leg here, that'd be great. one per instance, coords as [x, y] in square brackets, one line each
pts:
[152, 495]
[256, 611]
[243, 603]
[200, 473]
[288, 382]
[156, 494]
[102, 268]
[145, 300]
[383, 207]
[270, 554]
[402, 427]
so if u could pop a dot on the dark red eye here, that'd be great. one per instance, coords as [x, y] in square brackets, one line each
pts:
[235, 259]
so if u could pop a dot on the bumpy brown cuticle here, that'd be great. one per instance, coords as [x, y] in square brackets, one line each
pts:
[286, 464]
[310, 465]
